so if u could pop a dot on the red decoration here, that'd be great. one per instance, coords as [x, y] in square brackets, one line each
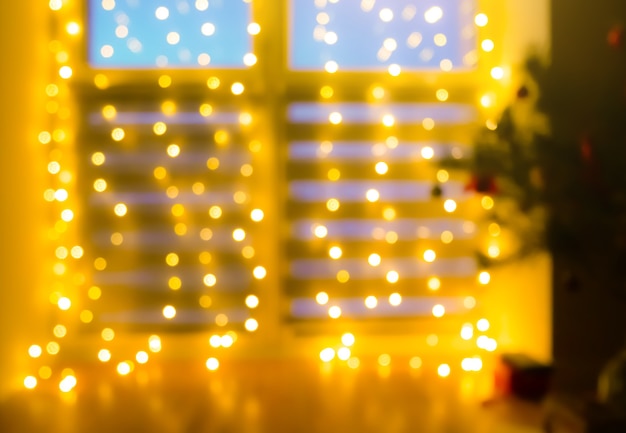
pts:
[615, 38]
[482, 184]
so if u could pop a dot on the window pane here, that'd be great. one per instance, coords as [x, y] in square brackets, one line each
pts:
[169, 33]
[371, 35]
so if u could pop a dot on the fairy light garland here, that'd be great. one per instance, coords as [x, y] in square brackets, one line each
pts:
[70, 269]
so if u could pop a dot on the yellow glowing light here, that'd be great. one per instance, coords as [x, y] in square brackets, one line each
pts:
[391, 237]
[374, 259]
[449, 205]
[94, 293]
[142, 357]
[221, 137]
[334, 312]
[30, 382]
[209, 280]
[107, 334]
[252, 301]
[257, 215]
[483, 325]
[154, 343]
[434, 283]
[389, 214]
[371, 302]
[221, 320]
[35, 351]
[493, 251]
[484, 277]
[60, 195]
[447, 237]
[469, 302]
[259, 272]
[120, 209]
[160, 173]
[487, 45]
[467, 331]
[173, 150]
[335, 118]
[427, 152]
[254, 29]
[327, 92]
[443, 176]
[45, 372]
[227, 340]
[428, 124]
[169, 312]
[354, 363]
[494, 229]
[67, 215]
[442, 95]
[174, 283]
[213, 83]
[392, 277]
[343, 276]
[395, 299]
[172, 192]
[433, 14]
[100, 185]
[378, 92]
[381, 168]
[394, 70]
[212, 364]
[205, 301]
[251, 325]
[384, 360]
[487, 202]
[443, 370]
[67, 384]
[320, 231]
[429, 256]
[344, 353]
[331, 67]
[439, 310]
[497, 73]
[372, 195]
[86, 316]
[237, 88]
[327, 355]
[415, 362]
[53, 348]
[118, 134]
[72, 28]
[124, 368]
[64, 303]
[54, 167]
[65, 72]
[215, 212]
[334, 174]
[322, 298]
[487, 100]
[239, 235]
[159, 128]
[388, 120]
[481, 20]
[246, 170]
[45, 137]
[248, 252]
[348, 339]
[491, 345]
[332, 204]
[215, 341]
[198, 188]
[101, 81]
[59, 331]
[165, 81]
[249, 59]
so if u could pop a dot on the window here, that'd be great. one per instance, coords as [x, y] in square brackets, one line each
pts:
[243, 167]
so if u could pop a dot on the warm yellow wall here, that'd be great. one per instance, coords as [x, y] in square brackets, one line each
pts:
[23, 51]
[527, 26]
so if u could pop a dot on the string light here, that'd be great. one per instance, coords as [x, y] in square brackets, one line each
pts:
[124, 138]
